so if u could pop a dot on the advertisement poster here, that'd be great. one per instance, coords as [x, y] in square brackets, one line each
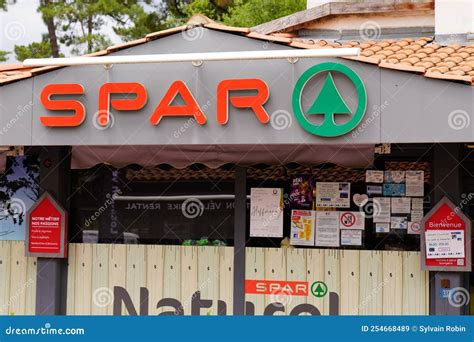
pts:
[444, 244]
[351, 237]
[301, 193]
[401, 205]
[381, 209]
[327, 228]
[333, 195]
[352, 220]
[415, 181]
[302, 227]
[399, 222]
[395, 190]
[394, 176]
[266, 212]
[373, 176]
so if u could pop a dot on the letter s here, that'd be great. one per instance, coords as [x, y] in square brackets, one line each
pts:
[63, 121]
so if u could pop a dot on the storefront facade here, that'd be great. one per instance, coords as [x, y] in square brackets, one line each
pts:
[131, 143]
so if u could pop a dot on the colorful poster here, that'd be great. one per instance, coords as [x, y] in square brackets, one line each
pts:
[395, 190]
[301, 193]
[333, 195]
[351, 237]
[302, 227]
[266, 212]
[381, 209]
[444, 244]
[374, 176]
[415, 181]
[327, 228]
[382, 227]
[352, 220]
[401, 205]
[394, 176]
[399, 222]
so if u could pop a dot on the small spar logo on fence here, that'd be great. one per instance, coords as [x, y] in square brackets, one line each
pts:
[289, 288]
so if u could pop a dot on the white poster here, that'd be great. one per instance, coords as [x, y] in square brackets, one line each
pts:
[417, 204]
[266, 212]
[399, 222]
[394, 176]
[373, 176]
[415, 181]
[352, 220]
[416, 215]
[327, 228]
[381, 209]
[401, 205]
[302, 227]
[351, 237]
[444, 244]
[383, 227]
[333, 195]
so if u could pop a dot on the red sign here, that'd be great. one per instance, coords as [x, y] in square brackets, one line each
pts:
[46, 230]
[268, 287]
[445, 236]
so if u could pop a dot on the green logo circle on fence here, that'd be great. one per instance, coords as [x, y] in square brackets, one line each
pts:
[329, 101]
[319, 289]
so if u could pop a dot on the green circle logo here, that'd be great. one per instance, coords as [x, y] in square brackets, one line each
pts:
[329, 101]
[319, 289]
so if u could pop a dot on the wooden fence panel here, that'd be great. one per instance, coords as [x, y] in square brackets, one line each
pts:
[393, 280]
[371, 283]
[255, 270]
[295, 271]
[350, 282]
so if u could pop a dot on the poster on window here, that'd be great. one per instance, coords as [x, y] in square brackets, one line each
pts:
[333, 194]
[302, 227]
[301, 192]
[266, 212]
[351, 237]
[327, 228]
[381, 209]
[415, 181]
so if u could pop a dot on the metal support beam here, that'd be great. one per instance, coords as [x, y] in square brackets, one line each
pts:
[240, 214]
[51, 275]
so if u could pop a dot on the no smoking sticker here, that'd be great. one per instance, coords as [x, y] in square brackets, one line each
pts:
[352, 220]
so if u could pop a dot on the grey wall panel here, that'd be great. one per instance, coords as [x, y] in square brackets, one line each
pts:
[425, 110]
[16, 107]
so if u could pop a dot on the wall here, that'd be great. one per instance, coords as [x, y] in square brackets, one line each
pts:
[17, 280]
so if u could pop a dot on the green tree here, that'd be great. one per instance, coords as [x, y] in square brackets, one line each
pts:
[34, 50]
[3, 55]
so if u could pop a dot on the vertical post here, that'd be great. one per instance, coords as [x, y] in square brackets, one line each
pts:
[446, 182]
[240, 214]
[51, 278]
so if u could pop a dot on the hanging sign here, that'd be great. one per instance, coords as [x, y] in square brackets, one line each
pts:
[445, 240]
[46, 233]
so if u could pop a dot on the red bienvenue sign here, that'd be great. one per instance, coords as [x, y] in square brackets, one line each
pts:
[268, 287]
[446, 234]
[46, 231]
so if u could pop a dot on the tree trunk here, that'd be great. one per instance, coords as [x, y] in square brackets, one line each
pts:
[53, 39]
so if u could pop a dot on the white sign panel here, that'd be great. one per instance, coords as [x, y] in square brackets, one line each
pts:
[327, 228]
[352, 220]
[401, 205]
[415, 183]
[266, 212]
[444, 244]
[333, 195]
[351, 237]
[381, 209]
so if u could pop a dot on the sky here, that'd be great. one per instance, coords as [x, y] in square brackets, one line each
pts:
[21, 24]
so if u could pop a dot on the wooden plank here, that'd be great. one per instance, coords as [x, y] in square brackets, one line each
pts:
[136, 273]
[331, 275]
[370, 283]
[315, 272]
[102, 294]
[226, 278]
[118, 267]
[208, 276]
[83, 293]
[189, 276]
[154, 275]
[172, 274]
[255, 270]
[275, 269]
[18, 281]
[31, 286]
[393, 282]
[414, 285]
[5, 247]
[350, 280]
[296, 270]
[71, 280]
